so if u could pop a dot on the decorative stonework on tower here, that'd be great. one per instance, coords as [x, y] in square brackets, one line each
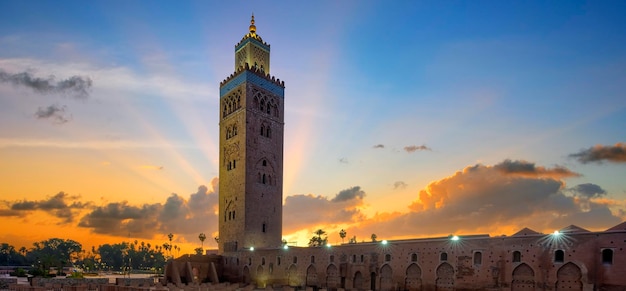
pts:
[253, 51]
[251, 150]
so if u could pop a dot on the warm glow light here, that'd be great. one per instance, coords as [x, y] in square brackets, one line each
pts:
[285, 247]
[251, 248]
[455, 238]
[556, 232]
[328, 245]
[384, 242]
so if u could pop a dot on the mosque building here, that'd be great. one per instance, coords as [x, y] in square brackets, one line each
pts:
[251, 251]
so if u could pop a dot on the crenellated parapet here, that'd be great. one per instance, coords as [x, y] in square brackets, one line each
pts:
[254, 74]
[251, 36]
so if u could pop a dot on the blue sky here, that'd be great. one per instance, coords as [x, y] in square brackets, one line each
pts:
[384, 100]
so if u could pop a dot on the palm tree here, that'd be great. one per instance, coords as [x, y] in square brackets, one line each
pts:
[342, 234]
[319, 234]
[374, 236]
[202, 237]
[170, 236]
[317, 241]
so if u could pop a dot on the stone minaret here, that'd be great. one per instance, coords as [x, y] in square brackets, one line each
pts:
[251, 150]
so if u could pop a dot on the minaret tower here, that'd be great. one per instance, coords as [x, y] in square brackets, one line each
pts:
[251, 150]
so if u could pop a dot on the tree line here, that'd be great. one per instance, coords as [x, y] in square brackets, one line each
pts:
[58, 254]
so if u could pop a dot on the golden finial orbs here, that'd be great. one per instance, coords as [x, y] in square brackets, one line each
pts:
[252, 26]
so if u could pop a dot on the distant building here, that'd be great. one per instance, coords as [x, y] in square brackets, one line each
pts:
[250, 222]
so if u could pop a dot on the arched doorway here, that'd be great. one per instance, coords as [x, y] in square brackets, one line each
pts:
[386, 275]
[413, 281]
[261, 277]
[246, 275]
[357, 283]
[373, 281]
[445, 277]
[311, 276]
[292, 276]
[332, 278]
[523, 278]
[569, 277]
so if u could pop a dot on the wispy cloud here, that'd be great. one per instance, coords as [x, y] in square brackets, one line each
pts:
[61, 205]
[349, 194]
[600, 153]
[55, 113]
[379, 146]
[524, 168]
[588, 191]
[399, 185]
[75, 86]
[414, 148]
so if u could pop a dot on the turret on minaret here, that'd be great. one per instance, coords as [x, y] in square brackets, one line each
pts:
[253, 51]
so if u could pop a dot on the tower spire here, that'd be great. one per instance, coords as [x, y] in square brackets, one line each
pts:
[252, 26]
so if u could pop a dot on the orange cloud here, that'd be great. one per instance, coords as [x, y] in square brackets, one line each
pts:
[524, 168]
[310, 211]
[599, 153]
[496, 199]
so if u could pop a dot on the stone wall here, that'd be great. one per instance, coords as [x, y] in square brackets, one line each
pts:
[43, 282]
[4, 282]
[530, 262]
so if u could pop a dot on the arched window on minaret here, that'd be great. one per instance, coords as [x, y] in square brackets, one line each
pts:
[264, 178]
[262, 130]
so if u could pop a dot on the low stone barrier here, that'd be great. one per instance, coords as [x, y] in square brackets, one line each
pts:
[135, 282]
[67, 282]
[4, 282]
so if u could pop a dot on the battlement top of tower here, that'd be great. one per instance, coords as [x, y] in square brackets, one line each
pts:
[257, 71]
[252, 34]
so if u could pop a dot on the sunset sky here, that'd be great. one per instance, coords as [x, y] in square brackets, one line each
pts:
[405, 119]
